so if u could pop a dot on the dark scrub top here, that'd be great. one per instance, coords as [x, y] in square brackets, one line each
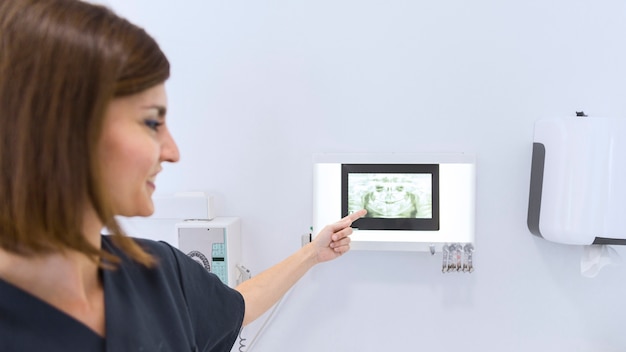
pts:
[177, 306]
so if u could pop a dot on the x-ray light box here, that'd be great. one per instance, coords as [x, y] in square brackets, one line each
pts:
[414, 201]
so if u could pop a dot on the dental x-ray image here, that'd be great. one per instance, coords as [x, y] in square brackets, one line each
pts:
[389, 195]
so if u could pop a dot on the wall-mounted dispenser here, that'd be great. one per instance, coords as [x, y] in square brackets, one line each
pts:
[578, 180]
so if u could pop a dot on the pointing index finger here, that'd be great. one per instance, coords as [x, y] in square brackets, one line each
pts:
[347, 221]
[356, 215]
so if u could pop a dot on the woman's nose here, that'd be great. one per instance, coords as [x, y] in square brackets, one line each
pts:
[169, 149]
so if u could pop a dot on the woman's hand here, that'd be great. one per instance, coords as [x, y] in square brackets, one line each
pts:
[334, 239]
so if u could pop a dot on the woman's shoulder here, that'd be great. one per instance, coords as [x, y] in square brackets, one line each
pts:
[167, 260]
[159, 249]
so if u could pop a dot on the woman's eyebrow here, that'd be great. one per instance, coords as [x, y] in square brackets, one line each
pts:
[161, 110]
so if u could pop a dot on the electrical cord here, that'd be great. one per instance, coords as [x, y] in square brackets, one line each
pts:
[258, 334]
[242, 345]
[244, 271]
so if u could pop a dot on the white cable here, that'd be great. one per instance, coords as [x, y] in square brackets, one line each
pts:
[262, 328]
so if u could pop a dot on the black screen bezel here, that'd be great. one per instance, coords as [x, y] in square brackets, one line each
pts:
[413, 224]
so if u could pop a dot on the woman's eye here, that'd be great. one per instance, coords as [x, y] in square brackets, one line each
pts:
[153, 124]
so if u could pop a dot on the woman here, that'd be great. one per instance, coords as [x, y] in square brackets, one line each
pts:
[83, 136]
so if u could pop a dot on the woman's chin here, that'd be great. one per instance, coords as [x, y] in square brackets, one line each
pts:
[143, 211]
[147, 211]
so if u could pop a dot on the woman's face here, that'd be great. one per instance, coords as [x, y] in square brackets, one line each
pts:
[135, 140]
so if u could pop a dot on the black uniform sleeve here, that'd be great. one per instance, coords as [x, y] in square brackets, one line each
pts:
[216, 311]
[175, 306]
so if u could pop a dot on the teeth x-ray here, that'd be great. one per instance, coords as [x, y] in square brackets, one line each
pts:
[388, 195]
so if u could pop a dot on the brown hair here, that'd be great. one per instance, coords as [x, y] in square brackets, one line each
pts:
[61, 63]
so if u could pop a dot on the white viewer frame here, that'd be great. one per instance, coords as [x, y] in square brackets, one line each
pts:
[457, 184]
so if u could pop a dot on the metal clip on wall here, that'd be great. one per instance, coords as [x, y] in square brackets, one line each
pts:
[457, 257]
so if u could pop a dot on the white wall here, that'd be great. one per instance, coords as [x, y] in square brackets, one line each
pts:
[257, 87]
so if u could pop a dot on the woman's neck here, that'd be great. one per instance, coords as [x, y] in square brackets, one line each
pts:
[68, 280]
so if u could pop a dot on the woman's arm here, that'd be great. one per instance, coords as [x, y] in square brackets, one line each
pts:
[262, 291]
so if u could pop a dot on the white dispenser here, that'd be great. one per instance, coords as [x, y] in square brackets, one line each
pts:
[578, 181]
